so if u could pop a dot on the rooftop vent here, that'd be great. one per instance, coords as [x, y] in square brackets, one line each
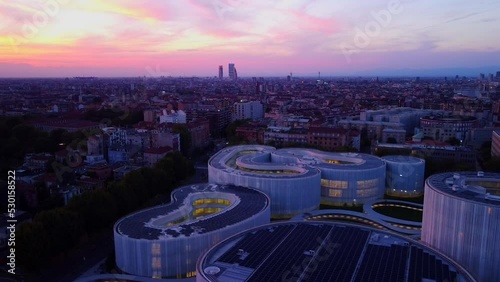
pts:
[211, 270]
[309, 252]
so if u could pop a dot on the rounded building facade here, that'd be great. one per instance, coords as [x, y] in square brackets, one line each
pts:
[324, 251]
[404, 176]
[346, 178]
[291, 187]
[443, 128]
[297, 180]
[461, 218]
[164, 241]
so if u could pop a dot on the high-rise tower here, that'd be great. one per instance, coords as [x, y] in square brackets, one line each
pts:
[233, 74]
[221, 72]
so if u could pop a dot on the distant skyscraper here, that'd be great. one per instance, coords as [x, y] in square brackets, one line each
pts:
[498, 74]
[221, 72]
[233, 74]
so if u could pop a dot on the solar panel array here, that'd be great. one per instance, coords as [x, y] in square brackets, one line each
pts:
[425, 265]
[383, 263]
[330, 252]
[134, 226]
[286, 258]
[340, 264]
[268, 239]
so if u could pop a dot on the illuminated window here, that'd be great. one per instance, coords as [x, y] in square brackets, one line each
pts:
[334, 184]
[206, 211]
[335, 193]
[156, 262]
[155, 249]
[191, 274]
[367, 192]
[367, 183]
[211, 201]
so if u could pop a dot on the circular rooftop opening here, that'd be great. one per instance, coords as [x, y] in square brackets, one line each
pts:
[211, 270]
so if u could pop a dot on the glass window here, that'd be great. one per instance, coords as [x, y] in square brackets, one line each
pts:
[367, 192]
[334, 184]
[367, 183]
[335, 193]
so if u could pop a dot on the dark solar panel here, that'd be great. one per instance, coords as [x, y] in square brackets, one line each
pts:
[425, 266]
[339, 264]
[257, 245]
[383, 263]
[286, 261]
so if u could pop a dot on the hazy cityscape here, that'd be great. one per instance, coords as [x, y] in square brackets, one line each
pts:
[229, 141]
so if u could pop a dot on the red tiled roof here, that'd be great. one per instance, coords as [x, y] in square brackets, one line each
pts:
[338, 130]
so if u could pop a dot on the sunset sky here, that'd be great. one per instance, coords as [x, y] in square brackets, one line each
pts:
[193, 37]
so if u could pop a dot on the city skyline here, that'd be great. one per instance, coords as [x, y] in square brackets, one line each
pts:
[56, 38]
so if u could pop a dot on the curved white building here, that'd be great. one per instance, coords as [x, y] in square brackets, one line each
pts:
[292, 187]
[164, 241]
[345, 177]
[405, 176]
[296, 179]
[462, 219]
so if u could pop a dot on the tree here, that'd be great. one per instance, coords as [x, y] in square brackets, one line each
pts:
[231, 128]
[124, 195]
[98, 209]
[453, 141]
[492, 165]
[485, 151]
[32, 245]
[63, 227]
[392, 140]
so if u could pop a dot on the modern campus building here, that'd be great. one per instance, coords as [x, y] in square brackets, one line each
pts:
[297, 179]
[293, 188]
[350, 178]
[462, 219]
[443, 128]
[324, 251]
[411, 226]
[164, 241]
[405, 176]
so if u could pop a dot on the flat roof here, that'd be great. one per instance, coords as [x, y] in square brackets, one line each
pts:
[144, 224]
[332, 160]
[457, 184]
[325, 251]
[251, 160]
[254, 160]
[403, 159]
